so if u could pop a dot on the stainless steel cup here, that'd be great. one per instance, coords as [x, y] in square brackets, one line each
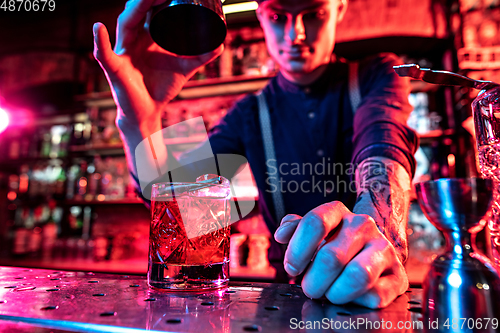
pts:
[188, 27]
[461, 283]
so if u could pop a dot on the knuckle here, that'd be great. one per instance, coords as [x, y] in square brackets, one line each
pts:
[337, 205]
[98, 54]
[329, 257]
[385, 250]
[386, 247]
[121, 17]
[364, 224]
[365, 220]
[315, 221]
[361, 276]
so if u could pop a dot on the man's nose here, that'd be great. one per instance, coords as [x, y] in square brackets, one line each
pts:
[296, 30]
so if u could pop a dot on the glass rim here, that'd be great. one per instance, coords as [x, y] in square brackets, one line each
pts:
[187, 183]
[172, 189]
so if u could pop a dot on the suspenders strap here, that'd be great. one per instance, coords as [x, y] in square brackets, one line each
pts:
[267, 137]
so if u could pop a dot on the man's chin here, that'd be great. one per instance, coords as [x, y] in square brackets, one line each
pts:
[297, 68]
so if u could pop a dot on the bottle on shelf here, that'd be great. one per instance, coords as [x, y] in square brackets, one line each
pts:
[34, 244]
[13, 187]
[72, 175]
[93, 180]
[23, 222]
[81, 181]
[60, 182]
[50, 232]
[46, 145]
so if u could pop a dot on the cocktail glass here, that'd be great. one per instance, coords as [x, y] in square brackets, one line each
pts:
[486, 111]
[189, 235]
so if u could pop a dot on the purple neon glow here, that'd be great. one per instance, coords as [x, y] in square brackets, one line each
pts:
[4, 120]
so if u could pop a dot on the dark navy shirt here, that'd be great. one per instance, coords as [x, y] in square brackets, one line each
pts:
[318, 138]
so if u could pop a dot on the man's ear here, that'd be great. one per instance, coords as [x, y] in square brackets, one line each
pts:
[258, 13]
[341, 10]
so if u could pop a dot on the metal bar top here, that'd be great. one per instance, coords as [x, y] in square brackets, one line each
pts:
[38, 300]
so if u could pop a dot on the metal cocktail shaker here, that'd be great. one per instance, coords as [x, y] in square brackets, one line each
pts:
[188, 27]
[462, 285]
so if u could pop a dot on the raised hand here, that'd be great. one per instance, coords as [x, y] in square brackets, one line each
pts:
[142, 75]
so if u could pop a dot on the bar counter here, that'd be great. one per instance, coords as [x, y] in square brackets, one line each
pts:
[38, 300]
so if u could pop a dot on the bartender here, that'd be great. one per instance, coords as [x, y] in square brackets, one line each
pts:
[348, 243]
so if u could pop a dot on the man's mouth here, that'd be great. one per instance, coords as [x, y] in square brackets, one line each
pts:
[297, 52]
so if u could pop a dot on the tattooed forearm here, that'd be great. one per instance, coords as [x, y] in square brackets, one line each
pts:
[384, 194]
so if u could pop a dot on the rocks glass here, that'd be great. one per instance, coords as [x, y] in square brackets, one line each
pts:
[189, 235]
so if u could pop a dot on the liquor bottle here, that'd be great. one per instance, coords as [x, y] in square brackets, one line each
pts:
[19, 243]
[13, 187]
[35, 235]
[93, 179]
[24, 181]
[46, 145]
[75, 221]
[72, 175]
[23, 222]
[81, 133]
[63, 147]
[35, 187]
[81, 183]
[86, 222]
[91, 182]
[60, 182]
[87, 132]
[49, 233]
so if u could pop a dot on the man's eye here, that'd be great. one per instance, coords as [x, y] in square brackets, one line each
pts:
[278, 18]
[315, 15]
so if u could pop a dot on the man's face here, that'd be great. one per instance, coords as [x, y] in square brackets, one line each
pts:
[300, 35]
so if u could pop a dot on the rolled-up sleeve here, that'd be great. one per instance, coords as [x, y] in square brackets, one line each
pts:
[379, 127]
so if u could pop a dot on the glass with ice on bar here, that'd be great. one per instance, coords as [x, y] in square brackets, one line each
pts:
[486, 111]
[189, 235]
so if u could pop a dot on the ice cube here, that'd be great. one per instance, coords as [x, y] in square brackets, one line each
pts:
[220, 180]
[219, 189]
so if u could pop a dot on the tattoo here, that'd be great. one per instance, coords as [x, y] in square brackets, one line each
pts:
[383, 193]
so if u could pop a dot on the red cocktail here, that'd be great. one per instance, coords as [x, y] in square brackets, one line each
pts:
[189, 235]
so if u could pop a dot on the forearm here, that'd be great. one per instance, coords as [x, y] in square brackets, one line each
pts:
[384, 194]
[146, 154]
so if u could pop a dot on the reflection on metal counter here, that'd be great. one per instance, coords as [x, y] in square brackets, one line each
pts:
[48, 301]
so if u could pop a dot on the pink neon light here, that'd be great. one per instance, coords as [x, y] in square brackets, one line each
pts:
[4, 120]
